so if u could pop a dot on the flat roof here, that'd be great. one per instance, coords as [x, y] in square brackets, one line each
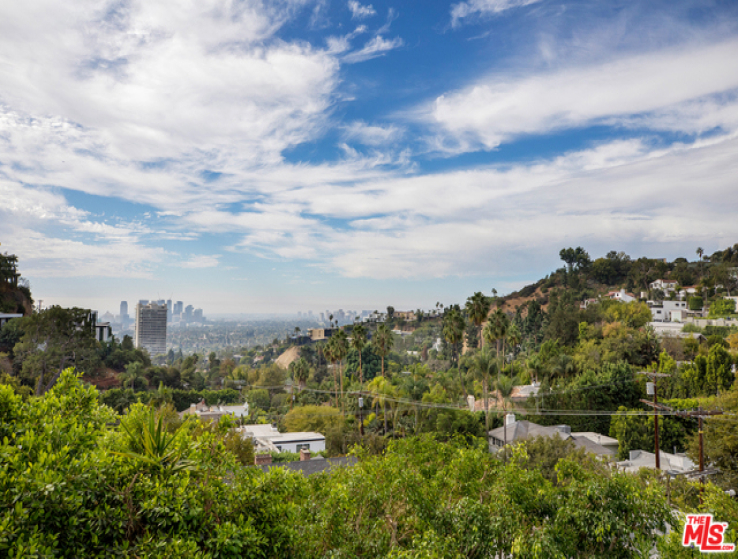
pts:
[296, 437]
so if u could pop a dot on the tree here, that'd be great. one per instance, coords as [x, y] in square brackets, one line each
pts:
[329, 350]
[358, 341]
[383, 342]
[505, 386]
[453, 332]
[477, 307]
[382, 389]
[482, 364]
[53, 339]
[390, 313]
[340, 350]
[134, 375]
[722, 307]
[300, 371]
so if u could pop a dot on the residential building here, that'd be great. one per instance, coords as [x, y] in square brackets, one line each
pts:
[664, 285]
[674, 464]
[317, 334]
[405, 315]
[309, 466]
[522, 430]
[7, 317]
[621, 296]
[667, 311]
[269, 436]
[214, 413]
[151, 328]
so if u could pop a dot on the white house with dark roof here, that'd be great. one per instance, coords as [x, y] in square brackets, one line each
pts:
[270, 437]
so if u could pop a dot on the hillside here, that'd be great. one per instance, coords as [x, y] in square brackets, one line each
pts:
[288, 357]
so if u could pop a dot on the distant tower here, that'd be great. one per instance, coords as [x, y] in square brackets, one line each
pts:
[169, 310]
[178, 306]
[124, 318]
[188, 313]
[151, 328]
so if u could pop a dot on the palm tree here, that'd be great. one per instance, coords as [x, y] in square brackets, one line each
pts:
[700, 251]
[134, 375]
[381, 388]
[358, 341]
[514, 337]
[505, 387]
[495, 331]
[340, 349]
[329, 350]
[534, 366]
[300, 371]
[383, 342]
[482, 364]
[477, 307]
[453, 332]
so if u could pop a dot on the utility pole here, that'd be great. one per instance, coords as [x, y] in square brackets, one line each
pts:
[361, 416]
[651, 390]
[699, 414]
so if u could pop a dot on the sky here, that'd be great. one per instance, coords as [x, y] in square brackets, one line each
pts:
[285, 155]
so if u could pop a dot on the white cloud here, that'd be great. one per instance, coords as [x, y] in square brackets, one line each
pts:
[201, 261]
[661, 88]
[372, 135]
[484, 7]
[360, 12]
[378, 46]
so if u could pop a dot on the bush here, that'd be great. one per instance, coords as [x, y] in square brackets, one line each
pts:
[695, 303]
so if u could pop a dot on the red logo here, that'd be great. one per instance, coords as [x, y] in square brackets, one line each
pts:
[702, 532]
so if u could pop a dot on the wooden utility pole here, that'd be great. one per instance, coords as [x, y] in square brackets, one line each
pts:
[654, 377]
[699, 414]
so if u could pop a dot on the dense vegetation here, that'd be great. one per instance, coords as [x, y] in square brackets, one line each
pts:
[426, 484]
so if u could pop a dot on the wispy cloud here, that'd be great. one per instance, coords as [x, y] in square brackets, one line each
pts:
[484, 7]
[201, 261]
[378, 46]
[658, 87]
[360, 12]
[372, 135]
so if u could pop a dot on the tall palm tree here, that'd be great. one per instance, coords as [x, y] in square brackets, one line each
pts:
[329, 351]
[381, 388]
[453, 332]
[482, 364]
[700, 251]
[513, 336]
[300, 371]
[505, 387]
[340, 339]
[535, 366]
[477, 307]
[383, 342]
[358, 341]
[495, 331]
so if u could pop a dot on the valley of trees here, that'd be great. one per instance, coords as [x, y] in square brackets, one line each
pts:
[425, 484]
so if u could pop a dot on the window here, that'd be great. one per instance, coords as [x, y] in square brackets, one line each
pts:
[299, 447]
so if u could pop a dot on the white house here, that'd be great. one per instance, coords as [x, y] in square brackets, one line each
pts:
[270, 438]
[674, 464]
[622, 296]
[664, 285]
[7, 317]
[667, 311]
[211, 413]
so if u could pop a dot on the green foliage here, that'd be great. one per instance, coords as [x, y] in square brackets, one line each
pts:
[258, 398]
[722, 307]
[636, 432]
[695, 303]
[312, 418]
[371, 363]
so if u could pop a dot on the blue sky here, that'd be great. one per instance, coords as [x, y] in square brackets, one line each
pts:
[252, 156]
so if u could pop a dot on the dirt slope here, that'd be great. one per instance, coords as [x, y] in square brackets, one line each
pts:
[288, 357]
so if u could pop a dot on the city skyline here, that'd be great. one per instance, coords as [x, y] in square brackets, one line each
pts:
[266, 157]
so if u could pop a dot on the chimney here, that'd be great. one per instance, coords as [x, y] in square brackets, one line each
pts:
[262, 459]
[304, 455]
[193, 408]
[509, 419]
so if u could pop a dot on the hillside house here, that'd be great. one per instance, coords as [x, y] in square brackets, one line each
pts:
[621, 296]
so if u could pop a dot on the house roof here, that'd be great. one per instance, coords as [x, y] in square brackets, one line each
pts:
[522, 430]
[312, 466]
[676, 463]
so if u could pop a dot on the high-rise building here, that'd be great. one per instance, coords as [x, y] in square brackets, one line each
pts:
[197, 316]
[322, 317]
[161, 302]
[151, 328]
[124, 318]
[178, 306]
[143, 301]
[169, 310]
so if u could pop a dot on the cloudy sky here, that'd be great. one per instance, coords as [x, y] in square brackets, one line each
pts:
[284, 155]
